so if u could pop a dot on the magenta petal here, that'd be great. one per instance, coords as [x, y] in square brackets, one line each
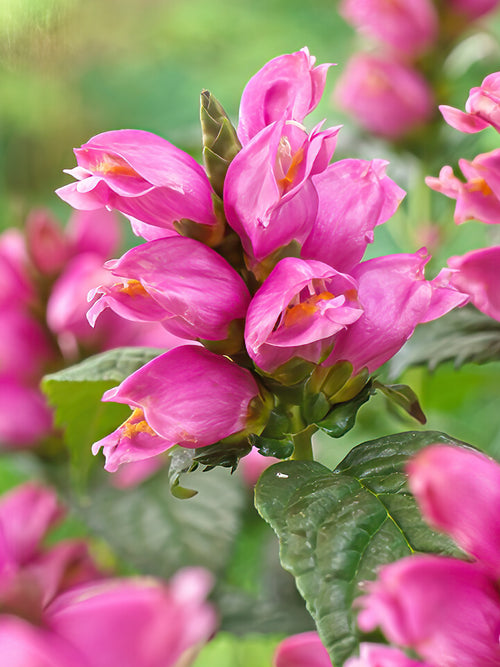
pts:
[477, 273]
[190, 396]
[443, 608]
[462, 121]
[302, 650]
[441, 478]
[17, 399]
[380, 655]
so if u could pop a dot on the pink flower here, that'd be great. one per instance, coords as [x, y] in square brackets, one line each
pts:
[46, 242]
[477, 273]
[386, 97]
[354, 197]
[458, 491]
[395, 297]
[188, 396]
[298, 312]
[478, 197]
[406, 26]
[288, 87]
[14, 269]
[481, 109]
[135, 622]
[269, 198]
[141, 175]
[302, 650]
[18, 401]
[473, 9]
[253, 465]
[193, 299]
[445, 609]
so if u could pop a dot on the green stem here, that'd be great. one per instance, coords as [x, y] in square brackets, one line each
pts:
[302, 444]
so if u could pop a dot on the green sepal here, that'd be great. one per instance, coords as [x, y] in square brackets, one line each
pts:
[220, 140]
[315, 407]
[342, 416]
[405, 397]
[181, 460]
[280, 448]
[225, 453]
[277, 425]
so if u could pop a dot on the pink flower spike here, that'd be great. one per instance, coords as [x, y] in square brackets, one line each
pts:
[298, 311]
[386, 97]
[141, 175]
[481, 109]
[354, 197]
[458, 491]
[135, 622]
[408, 27]
[199, 298]
[302, 650]
[445, 609]
[288, 87]
[379, 655]
[189, 396]
[476, 273]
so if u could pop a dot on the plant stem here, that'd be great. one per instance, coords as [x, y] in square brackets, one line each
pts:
[303, 447]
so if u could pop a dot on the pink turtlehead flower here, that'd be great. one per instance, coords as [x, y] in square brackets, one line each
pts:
[408, 27]
[137, 622]
[445, 609]
[482, 108]
[14, 270]
[479, 197]
[473, 9]
[302, 650]
[142, 176]
[269, 197]
[386, 97]
[288, 87]
[379, 655]
[395, 297]
[354, 197]
[17, 400]
[298, 312]
[188, 396]
[441, 478]
[477, 273]
[198, 298]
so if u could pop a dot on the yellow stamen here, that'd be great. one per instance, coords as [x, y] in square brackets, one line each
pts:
[480, 185]
[133, 288]
[300, 311]
[136, 424]
[292, 170]
[115, 166]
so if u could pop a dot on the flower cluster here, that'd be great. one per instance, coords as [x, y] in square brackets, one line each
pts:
[258, 258]
[57, 609]
[390, 91]
[477, 272]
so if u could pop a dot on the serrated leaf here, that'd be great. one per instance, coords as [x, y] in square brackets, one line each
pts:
[405, 397]
[336, 528]
[155, 533]
[76, 393]
[463, 335]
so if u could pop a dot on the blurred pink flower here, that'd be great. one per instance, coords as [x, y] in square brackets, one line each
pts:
[288, 87]
[302, 650]
[386, 97]
[379, 655]
[473, 9]
[408, 27]
[142, 176]
[253, 465]
[481, 109]
[477, 198]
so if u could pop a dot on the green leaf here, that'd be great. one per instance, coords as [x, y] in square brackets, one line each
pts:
[336, 528]
[76, 393]
[342, 416]
[226, 650]
[155, 533]
[281, 448]
[404, 396]
[463, 335]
